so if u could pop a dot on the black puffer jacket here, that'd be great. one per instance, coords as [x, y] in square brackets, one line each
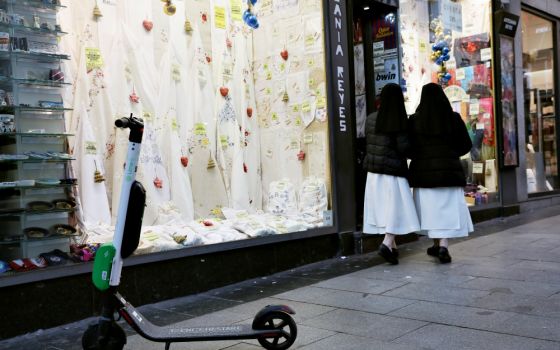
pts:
[435, 158]
[385, 153]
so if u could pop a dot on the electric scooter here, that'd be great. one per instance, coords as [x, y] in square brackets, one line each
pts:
[272, 326]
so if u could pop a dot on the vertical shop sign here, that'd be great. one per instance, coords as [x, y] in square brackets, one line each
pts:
[340, 105]
[339, 56]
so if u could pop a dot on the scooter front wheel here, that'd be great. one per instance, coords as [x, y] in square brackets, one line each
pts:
[115, 339]
[279, 321]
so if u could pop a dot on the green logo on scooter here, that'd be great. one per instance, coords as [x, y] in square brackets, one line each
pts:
[102, 266]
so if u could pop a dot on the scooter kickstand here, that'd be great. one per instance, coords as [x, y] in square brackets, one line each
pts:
[167, 345]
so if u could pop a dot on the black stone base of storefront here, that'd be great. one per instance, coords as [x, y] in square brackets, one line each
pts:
[49, 303]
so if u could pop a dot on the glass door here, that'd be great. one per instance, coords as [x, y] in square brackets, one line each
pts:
[540, 105]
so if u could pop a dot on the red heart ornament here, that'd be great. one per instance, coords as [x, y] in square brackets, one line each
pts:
[158, 183]
[184, 161]
[148, 25]
[224, 91]
[301, 155]
[249, 112]
[284, 54]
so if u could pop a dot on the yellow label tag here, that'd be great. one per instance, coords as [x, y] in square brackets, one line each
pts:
[306, 107]
[205, 141]
[298, 121]
[321, 102]
[310, 62]
[311, 83]
[268, 75]
[223, 141]
[93, 58]
[147, 115]
[307, 138]
[235, 6]
[268, 91]
[274, 116]
[199, 129]
[282, 66]
[91, 147]
[309, 40]
[219, 17]
[174, 125]
[295, 108]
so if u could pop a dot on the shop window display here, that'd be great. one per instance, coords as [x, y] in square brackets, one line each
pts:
[540, 117]
[236, 136]
[449, 42]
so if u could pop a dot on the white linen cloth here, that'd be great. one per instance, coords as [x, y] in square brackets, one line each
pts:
[443, 212]
[388, 206]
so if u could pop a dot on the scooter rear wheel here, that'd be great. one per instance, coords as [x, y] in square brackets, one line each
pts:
[116, 339]
[282, 321]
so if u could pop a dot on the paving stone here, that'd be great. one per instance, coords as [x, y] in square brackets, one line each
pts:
[522, 304]
[442, 337]
[348, 300]
[453, 315]
[539, 266]
[532, 326]
[364, 324]
[413, 275]
[359, 284]
[351, 342]
[435, 292]
[303, 311]
[512, 287]
[518, 274]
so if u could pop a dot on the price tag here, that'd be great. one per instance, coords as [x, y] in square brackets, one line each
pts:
[306, 107]
[460, 74]
[478, 168]
[486, 54]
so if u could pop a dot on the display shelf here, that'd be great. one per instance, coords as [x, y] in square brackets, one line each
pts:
[35, 134]
[29, 160]
[34, 130]
[23, 238]
[40, 109]
[37, 187]
[31, 30]
[35, 4]
[33, 55]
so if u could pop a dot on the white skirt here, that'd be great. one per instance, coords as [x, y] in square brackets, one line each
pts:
[388, 206]
[443, 212]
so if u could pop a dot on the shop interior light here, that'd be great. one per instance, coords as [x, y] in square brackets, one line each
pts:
[366, 8]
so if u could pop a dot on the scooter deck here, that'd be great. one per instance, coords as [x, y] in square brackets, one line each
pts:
[170, 334]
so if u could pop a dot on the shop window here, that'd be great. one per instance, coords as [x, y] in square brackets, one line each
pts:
[540, 117]
[236, 143]
[449, 42]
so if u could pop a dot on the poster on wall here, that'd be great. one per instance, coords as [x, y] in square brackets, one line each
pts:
[509, 121]
[385, 51]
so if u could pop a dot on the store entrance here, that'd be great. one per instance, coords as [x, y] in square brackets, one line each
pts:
[376, 63]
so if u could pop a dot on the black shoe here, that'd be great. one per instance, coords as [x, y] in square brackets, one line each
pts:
[395, 252]
[433, 251]
[387, 254]
[444, 256]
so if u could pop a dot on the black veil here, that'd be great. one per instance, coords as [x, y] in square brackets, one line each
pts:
[434, 113]
[391, 117]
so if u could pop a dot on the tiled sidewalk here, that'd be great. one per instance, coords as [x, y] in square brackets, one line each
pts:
[502, 291]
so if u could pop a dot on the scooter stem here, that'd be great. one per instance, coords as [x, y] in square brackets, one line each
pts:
[136, 126]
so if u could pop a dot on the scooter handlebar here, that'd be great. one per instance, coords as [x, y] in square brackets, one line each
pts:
[122, 123]
[136, 126]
